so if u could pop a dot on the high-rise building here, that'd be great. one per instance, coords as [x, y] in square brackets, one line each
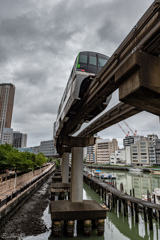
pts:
[48, 148]
[91, 151]
[7, 91]
[19, 139]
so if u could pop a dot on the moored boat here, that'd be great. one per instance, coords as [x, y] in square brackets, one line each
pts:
[156, 171]
[135, 170]
[97, 173]
[107, 176]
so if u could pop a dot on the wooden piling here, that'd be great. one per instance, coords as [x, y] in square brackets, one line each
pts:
[150, 212]
[145, 215]
[136, 212]
[119, 203]
[113, 200]
[109, 200]
[124, 208]
[102, 192]
[105, 196]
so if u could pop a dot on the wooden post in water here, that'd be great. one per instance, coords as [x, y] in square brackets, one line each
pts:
[156, 215]
[132, 212]
[133, 193]
[145, 216]
[131, 206]
[150, 218]
[109, 200]
[99, 189]
[119, 203]
[124, 208]
[136, 211]
[105, 196]
[113, 200]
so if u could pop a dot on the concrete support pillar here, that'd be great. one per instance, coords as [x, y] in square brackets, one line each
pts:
[77, 175]
[65, 168]
[60, 162]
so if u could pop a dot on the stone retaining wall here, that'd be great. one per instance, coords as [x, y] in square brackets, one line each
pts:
[8, 210]
[9, 184]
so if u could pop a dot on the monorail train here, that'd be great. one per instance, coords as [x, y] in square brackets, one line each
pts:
[85, 68]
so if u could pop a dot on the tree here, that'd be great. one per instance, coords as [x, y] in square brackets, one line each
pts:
[12, 158]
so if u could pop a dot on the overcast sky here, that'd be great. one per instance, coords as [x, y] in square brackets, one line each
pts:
[39, 41]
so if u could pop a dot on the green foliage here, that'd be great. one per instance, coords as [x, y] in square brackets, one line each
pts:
[57, 161]
[11, 158]
[50, 159]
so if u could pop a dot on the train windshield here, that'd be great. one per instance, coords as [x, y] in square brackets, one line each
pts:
[91, 62]
[83, 58]
[102, 61]
[92, 59]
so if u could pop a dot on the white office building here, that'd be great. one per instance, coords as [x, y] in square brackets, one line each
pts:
[7, 136]
[118, 157]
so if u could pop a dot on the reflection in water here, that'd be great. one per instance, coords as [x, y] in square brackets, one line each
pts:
[141, 182]
[116, 225]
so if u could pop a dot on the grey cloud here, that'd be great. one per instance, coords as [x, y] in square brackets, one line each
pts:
[31, 76]
[39, 41]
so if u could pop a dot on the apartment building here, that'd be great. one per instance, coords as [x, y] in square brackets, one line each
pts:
[118, 157]
[90, 154]
[103, 150]
[7, 136]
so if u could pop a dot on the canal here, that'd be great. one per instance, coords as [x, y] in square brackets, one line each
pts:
[116, 225]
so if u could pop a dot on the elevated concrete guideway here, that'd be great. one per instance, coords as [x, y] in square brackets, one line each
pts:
[118, 113]
[144, 40]
[134, 69]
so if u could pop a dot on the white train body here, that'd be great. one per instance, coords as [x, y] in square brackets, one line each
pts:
[81, 75]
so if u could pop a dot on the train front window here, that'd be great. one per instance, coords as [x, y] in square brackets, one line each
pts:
[83, 58]
[93, 60]
[102, 61]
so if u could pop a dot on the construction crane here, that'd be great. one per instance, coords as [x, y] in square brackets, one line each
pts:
[127, 134]
[134, 133]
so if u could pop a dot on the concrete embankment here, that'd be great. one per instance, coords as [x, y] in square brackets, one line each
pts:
[115, 168]
[7, 210]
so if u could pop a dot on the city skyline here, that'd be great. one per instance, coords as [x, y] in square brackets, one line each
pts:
[38, 50]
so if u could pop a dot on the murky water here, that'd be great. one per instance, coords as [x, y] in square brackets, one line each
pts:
[116, 225]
